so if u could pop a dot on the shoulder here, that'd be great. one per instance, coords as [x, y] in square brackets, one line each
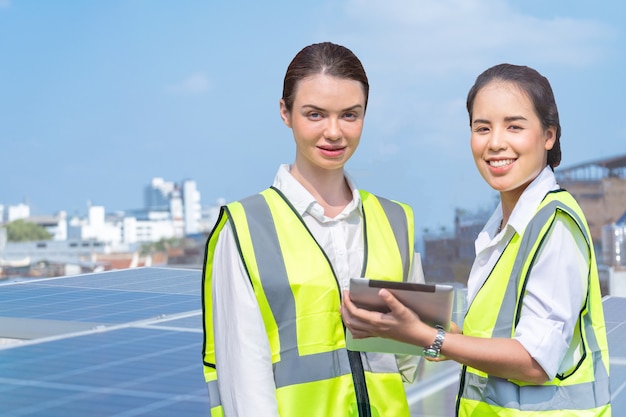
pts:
[371, 196]
[567, 209]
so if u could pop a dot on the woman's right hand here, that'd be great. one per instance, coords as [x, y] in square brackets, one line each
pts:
[400, 323]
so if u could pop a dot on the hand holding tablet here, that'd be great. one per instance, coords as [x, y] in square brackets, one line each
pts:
[433, 303]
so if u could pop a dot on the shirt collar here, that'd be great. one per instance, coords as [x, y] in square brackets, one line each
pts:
[522, 213]
[531, 198]
[304, 202]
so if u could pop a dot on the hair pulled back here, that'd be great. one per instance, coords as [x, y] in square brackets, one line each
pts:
[323, 58]
[539, 91]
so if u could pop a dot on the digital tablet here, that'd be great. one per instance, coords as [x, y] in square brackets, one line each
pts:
[433, 303]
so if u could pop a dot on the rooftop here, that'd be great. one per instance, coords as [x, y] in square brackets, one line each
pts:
[128, 343]
[614, 167]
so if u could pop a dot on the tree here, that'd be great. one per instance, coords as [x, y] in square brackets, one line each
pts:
[23, 231]
[161, 246]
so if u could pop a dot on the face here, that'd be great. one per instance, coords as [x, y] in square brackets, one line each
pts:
[326, 120]
[509, 144]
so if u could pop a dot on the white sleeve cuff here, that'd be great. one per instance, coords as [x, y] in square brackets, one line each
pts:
[543, 340]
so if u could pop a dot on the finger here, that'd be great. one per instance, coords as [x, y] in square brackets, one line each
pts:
[394, 304]
[347, 302]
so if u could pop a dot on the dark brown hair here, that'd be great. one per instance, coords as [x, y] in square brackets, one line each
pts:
[323, 58]
[539, 91]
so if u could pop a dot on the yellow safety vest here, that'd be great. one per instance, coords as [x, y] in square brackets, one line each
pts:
[299, 297]
[581, 391]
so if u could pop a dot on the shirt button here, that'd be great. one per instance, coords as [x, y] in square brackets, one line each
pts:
[482, 262]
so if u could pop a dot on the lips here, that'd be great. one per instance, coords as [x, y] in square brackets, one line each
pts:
[332, 149]
[331, 152]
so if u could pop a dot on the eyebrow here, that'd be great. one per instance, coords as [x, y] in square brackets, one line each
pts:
[514, 118]
[314, 107]
[506, 119]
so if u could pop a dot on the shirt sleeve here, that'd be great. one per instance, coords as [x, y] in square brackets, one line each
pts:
[242, 352]
[417, 271]
[554, 296]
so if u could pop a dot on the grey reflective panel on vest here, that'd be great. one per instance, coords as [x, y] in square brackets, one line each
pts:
[214, 394]
[273, 273]
[397, 219]
[292, 368]
[536, 397]
[583, 396]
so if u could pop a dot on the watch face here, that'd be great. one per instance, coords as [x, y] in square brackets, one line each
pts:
[431, 353]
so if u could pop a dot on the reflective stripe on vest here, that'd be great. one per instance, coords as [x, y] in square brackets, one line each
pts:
[257, 237]
[563, 393]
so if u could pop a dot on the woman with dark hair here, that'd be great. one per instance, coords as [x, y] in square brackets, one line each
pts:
[276, 263]
[534, 338]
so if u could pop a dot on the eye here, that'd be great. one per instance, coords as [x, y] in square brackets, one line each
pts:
[314, 115]
[350, 116]
[481, 129]
[515, 127]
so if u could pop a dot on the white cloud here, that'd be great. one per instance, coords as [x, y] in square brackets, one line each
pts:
[445, 36]
[194, 84]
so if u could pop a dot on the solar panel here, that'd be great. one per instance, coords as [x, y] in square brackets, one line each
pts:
[128, 343]
[615, 318]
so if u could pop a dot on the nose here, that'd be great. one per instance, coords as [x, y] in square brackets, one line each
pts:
[333, 129]
[497, 140]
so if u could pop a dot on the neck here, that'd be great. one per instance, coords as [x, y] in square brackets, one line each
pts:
[329, 188]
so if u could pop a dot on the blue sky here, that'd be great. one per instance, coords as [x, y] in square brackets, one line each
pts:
[98, 97]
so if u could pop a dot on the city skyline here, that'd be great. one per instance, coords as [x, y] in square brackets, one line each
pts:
[99, 97]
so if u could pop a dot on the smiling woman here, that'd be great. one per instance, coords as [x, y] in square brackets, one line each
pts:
[276, 263]
[534, 339]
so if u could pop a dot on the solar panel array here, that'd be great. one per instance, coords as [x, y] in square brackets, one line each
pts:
[128, 343]
[139, 355]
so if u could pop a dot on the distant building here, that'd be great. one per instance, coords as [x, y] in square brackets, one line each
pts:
[600, 189]
[614, 243]
[95, 227]
[210, 215]
[56, 224]
[157, 194]
[182, 202]
[53, 258]
[62, 258]
[17, 212]
[448, 255]
[192, 209]
[116, 239]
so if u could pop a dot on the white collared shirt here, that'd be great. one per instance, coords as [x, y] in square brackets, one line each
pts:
[558, 281]
[244, 365]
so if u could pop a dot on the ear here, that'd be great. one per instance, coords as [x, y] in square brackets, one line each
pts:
[284, 113]
[550, 135]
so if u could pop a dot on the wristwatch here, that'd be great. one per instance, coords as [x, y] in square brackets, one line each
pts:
[434, 350]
